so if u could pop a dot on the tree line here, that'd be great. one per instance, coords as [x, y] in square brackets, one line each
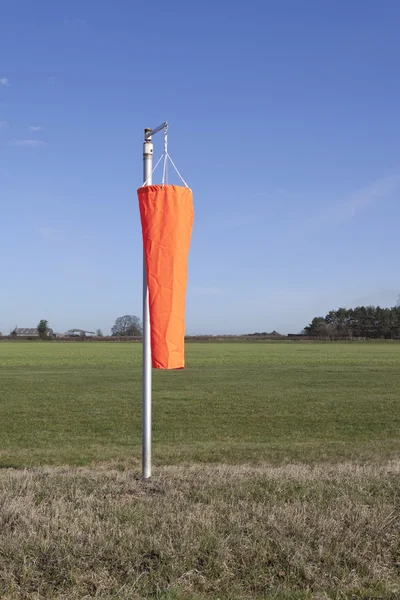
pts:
[371, 322]
[126, 326]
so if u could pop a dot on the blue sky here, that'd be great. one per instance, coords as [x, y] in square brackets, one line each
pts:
[283, 118]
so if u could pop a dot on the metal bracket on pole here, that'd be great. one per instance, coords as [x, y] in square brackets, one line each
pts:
[146, 389]
[148, 133]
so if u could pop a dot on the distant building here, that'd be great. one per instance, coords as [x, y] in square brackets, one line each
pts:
[25, 332]
[78, 333]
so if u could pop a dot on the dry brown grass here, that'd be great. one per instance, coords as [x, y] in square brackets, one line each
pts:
[200, 532]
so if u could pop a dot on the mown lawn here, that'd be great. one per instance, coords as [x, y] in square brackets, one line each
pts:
[299, 499]
[80, 403]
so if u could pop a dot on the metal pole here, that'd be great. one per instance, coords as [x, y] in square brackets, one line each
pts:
[146, 391]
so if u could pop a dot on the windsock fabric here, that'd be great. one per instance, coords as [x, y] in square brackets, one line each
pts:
[166, 213]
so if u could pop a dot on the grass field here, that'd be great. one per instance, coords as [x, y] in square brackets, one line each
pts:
[81, 402]
[277, 473]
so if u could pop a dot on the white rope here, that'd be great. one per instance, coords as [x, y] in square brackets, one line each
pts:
[165, 169]
[149, 177]
[173, 164]
[166, 156]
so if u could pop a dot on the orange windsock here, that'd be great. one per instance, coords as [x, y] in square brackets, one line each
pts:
[166, 213]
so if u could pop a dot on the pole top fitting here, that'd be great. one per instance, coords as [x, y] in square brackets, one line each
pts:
[148, 133]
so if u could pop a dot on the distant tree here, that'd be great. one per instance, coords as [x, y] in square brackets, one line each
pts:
[43, 329]
[318, 328]
[371, 322]
[99, 333]
[340, 322]
[127, 325]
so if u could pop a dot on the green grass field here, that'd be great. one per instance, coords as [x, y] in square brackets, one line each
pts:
[277, 473]
[80, 403]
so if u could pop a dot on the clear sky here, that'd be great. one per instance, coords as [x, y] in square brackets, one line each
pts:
[284, 120]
